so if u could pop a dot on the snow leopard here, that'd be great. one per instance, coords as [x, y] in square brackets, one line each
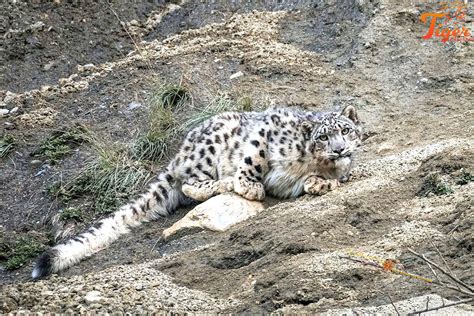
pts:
[282, 152]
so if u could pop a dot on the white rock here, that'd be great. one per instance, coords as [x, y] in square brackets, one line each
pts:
[45, 88]
[15, 109]
[93, 297]
[9, 96]
[4, 112]
[63, 81]
[38, 26]
[236, 75]
[48, 65]
[218, 213]
[89, 67]
[134, 23]
[134, 105]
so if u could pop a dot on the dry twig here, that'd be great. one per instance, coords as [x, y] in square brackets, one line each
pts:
[453, 283]
[442, 306]
[443, 271]
[137, 47]
[393, 304]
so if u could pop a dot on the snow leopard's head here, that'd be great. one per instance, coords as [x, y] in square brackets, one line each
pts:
[338, 134]
[334, 137]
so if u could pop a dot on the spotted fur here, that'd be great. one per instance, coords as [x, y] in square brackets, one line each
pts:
[282, 152]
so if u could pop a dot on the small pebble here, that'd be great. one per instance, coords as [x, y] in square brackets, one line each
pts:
[93, 297]
[134, 105]
[236, 75]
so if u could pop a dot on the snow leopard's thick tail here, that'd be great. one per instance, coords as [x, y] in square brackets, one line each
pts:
[161, 198]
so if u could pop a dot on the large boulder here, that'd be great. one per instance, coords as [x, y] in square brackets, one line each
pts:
[218, 214]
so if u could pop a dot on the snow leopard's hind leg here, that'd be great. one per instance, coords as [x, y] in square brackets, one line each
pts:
[252, 168]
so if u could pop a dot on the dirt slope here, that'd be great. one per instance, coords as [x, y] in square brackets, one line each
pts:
[415, 99]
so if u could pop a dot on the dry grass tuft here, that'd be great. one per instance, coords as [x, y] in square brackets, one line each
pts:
[118, 171]
[7, 142]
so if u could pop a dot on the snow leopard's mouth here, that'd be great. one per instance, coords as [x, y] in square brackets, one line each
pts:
[335, 157]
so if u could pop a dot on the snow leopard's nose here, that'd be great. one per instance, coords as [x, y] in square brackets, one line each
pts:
[339, 149]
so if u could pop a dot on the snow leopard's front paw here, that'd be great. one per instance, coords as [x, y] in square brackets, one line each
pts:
[319, 186]
[225, 185]
[253, 191]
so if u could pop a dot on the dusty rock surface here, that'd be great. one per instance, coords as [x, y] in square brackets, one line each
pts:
[409, 306]
[414, 97]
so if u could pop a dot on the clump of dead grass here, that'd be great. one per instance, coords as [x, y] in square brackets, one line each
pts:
[61, 143]
[434, 184]
[110, 178]
[72, 214]
[464, 177]
[7, 143]
[172, 96]
[18, 249]
[219, 104]
[164, 126]
[118, 171]
[246, 104]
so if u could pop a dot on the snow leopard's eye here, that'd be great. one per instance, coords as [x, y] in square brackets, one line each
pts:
[323, 138]
[345, 131]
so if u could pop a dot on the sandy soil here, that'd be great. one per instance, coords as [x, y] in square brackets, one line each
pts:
[414, 96]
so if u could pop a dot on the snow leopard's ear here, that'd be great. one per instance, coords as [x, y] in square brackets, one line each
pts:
[307, 128]
[351, 113]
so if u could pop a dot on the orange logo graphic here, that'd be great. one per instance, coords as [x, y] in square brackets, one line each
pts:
[448, 23]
